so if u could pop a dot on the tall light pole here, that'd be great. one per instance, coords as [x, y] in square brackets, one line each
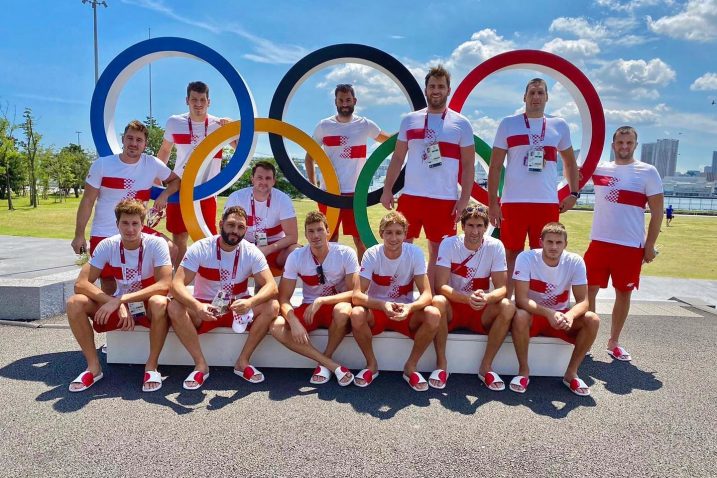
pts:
[78, 138]
[94, 4]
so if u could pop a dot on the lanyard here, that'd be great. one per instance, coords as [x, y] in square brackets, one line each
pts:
[253, 211]
[425, 124]
[471, 256]
[542, 132]
[191, 130]
[219, 266]
[139, 260]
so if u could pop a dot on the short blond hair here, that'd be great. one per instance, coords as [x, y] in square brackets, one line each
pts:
[393, 217]
[554, 228]
[131, 207]
[315, 216]
[137, 125]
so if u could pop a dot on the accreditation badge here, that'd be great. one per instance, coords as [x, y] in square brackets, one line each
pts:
[220, 303]
[261, 239]
[136, 310]
[536, 160]
[433, 155]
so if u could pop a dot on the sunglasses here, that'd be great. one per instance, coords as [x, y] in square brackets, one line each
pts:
[320, 273]
[470, 209]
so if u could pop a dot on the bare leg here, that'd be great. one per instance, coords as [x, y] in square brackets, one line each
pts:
[360, 247]
[619, 316]
[587, 326]
[510, 256]
[180, 240]
[432, 256]
[441, 338]
[159, 326]
[592, 297]
[520, 331]
[186, 331]
[264, 315]
[499, 318]
[79, 307]
[428, 323]
[339, 327]
[362, 334]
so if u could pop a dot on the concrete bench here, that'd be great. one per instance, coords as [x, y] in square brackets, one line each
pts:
[221, 347]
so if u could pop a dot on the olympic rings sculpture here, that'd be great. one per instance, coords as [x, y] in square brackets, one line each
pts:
[195, 185]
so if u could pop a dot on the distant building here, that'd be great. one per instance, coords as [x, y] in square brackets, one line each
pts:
[647, 153]
[713, 169]
[662, 155]
[708, 169]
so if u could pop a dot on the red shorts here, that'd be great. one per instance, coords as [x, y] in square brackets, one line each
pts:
[346, 220]
[541, 327]
[113, 322]
[175, 223]
[521, 219]
[622, 263]
[433, 215]
[382, 323]
[225, 320]
[322, 317]
[273, 265]
[463, 317]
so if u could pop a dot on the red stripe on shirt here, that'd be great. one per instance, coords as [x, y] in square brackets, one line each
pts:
[143, 195]
[331, 140]
[381, 280]
[182, 138]
[310, 280]
[563, 297]
[449, 150]
[112, 183]
[631, 198]
[418, 133]
[538, 286]
[459, 269]
[599, 180]
[550, 152]
[482, 283]
[117, 274]
[358, 152]
[270, 231]
[405, 289]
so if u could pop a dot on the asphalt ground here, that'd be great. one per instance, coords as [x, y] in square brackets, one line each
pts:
[652, 417]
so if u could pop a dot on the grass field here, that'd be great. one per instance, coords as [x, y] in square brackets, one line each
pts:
[688, 248]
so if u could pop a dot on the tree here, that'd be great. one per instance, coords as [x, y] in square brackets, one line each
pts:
[32, 140]
[79, 162]
[282, 183]
[154, 140]
[10, 160]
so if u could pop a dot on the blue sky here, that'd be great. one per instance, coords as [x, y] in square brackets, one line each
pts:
[653, 62]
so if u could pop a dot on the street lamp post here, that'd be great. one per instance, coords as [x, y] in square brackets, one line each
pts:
[78, 138]
[94, 4]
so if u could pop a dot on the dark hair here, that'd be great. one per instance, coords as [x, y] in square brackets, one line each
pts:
[198, 86]
[439, 71]
[624, 130]
[315, 216]
[137, 125]
[238, 210]
[536, 81]
[264, 165]
[131, 207]
[344, 88]
[474, 212]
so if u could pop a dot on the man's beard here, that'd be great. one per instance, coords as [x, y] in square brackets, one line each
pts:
[345, 114]
[231, 242]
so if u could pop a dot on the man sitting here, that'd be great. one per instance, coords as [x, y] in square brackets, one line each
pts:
[142, 268]
[543, 279]
[220, 267]
[384, 300]
[465, 267]
[329, 273]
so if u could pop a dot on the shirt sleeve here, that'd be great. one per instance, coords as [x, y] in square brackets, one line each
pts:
[258, 261]
[521, 271]
[94, 175]
[501, 136]
[101, 255]
[351, 261]
[499, 261]
[579, 272]
[318, 134]
[419, 262]
[168, 131]
[286, 209]
[564, 142]
[402, 132]
[192, 258]
[373, 129]
[160, 253]
[232, 200]
[291, 268]
[162, 170]
[368, 263]
[444, 253]
[654, 183]
[466, 133]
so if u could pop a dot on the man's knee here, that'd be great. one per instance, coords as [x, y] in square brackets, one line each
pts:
[521, 322]
[431, 318]
[358, 317]
[591, 321]
[175, 310]
[342, 312]
[268, 309]
[77, 305]
[440, 303]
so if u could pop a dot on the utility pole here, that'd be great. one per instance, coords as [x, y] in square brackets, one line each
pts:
[94, 4]
[78, 138]
[151, 118]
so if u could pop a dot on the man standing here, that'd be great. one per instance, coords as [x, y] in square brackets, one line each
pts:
[141, 265]
[669, 214]
[111, 179]
[465, 267]
[272, 221]
[186, 131]
[543, 280]
[329, 272]
[384, 301]
[618, 245]
[344, 137]
[220, 267]
[531, 141]
[439, 144]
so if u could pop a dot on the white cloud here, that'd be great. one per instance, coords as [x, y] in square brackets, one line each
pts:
[482, 45]
[265, 51]
[631, 5]
[578, 26]
[611, 30]
[706, 82]
[645, 116]
[638, 78]
[372, 87]
[572, 49]
[696, 22]
[483, 126]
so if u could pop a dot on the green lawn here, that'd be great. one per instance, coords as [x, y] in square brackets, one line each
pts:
[690, 240]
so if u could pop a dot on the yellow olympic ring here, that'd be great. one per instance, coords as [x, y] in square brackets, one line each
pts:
[230, 131]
